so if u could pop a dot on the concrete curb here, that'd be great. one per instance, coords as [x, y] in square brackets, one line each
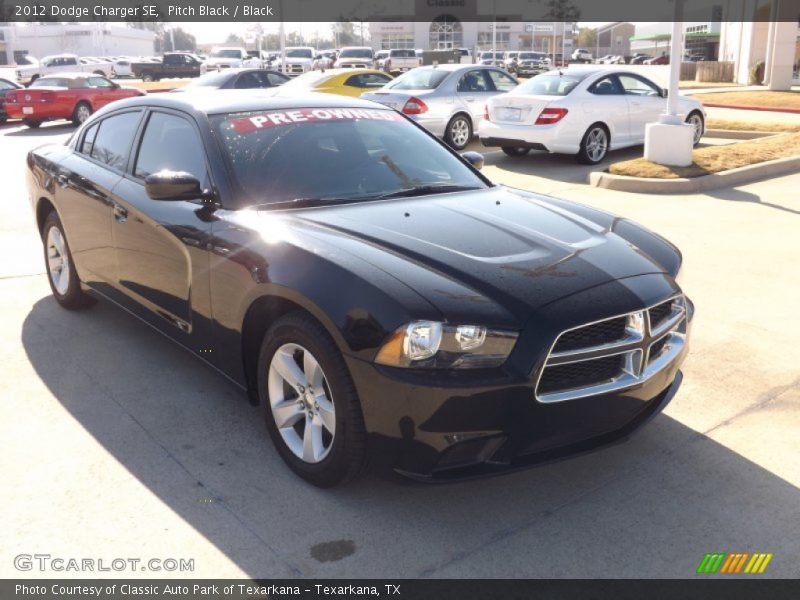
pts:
[644, 185]
[738, 134]
[794, 111]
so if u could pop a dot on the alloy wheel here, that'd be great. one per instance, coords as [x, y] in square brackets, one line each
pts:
[597, 144]
[696, 121]
[459, 132]
[83, 112]
[301, 403]
[57, 260]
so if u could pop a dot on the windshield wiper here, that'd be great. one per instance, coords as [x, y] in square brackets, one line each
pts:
[424, 190]
[304, 202]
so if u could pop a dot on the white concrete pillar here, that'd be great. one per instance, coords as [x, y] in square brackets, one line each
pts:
[783, 53]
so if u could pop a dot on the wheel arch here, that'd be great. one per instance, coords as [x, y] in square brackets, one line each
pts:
[260, 315]
[43, 208]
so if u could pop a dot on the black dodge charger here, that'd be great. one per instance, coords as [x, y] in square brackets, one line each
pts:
[368, 287]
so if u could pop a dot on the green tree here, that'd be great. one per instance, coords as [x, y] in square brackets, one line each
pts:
[586, 38]
[184, 41]
[234, 40]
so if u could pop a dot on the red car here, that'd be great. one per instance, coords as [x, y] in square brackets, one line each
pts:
[71, 96]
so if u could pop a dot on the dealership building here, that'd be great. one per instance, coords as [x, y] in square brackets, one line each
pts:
[94, 39]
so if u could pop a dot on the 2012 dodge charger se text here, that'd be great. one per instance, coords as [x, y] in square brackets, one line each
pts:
[373, 292]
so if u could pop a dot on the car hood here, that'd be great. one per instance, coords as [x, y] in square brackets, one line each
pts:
[498, 245]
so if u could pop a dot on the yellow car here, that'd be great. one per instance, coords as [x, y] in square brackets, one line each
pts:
[345, 82]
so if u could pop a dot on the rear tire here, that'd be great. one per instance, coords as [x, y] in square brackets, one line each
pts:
[82, 112]
[594, 145]
[147, 78]
[61, 273]
[458, 132]
[32, 123]
[332, 457]
[515, 151]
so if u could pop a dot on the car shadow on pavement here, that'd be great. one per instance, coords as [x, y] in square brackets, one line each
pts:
[45, 130]
[651, 507]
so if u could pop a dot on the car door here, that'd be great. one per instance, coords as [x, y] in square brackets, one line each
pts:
[84, 193]
[645, 103]
[173, 65]
[162, 261]
[104, 91]
[606, 103]
[473, 89]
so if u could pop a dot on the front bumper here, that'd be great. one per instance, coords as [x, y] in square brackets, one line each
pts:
[444, 426]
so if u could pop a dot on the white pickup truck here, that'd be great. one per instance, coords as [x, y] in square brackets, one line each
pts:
[400, 60]
[58, 63]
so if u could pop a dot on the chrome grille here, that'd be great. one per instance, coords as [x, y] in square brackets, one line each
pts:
[614, 353]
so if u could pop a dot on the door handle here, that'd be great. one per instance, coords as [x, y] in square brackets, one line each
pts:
[62, 180]
[120, 214]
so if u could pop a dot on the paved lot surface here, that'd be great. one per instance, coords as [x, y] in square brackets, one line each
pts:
[114, 443]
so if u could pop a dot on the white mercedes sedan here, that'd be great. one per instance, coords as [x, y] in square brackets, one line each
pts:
[585, 111]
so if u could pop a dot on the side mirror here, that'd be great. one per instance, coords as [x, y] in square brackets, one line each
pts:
[664, 92]
[473, 158]
[174, 185]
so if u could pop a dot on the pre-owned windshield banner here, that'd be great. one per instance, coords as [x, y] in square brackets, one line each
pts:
[402, 10]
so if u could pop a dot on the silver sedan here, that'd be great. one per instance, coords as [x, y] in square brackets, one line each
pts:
[448, 100]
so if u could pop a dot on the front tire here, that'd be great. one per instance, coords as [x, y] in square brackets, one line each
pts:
[61, 273]
[309, 402]
[695, 119]
[515, 150]
[458, 132]
[594, 145]
[81, 113]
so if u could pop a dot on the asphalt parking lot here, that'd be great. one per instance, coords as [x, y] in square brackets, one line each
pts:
[115, 443]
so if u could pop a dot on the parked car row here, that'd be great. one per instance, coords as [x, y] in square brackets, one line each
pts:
[581, 110]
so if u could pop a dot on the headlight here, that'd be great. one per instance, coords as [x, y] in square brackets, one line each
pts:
[434, 345]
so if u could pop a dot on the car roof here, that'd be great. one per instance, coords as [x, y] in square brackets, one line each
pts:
[69, 75]
[212, 102]
[455, 67]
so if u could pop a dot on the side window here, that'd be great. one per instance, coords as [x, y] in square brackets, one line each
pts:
[275, 79]
[99, 82]
[374, 80]
[68, 61]
[248, 81]
[170, 142]
[607, 86]
[355, 81]
[88, 140]
[473, 81]
[113, 141]
[638, 87]
[169, 59]
[501, 81]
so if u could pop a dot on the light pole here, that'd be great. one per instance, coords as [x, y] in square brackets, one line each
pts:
[670, 140]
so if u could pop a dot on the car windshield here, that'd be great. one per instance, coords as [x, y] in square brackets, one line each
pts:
[356, 53]
[403, 54]
[300, 53]
[226, 53]
[531, 56]
[53, 82]
[552, 83]
[334, 154]
[419, 79]
[486, 55]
